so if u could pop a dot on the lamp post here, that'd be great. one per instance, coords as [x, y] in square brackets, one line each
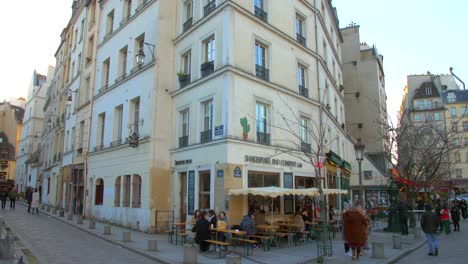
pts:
[359, 148]
[140, 56]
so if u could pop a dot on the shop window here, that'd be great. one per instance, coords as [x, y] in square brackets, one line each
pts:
[263, 179]
[367, 175]
[99, 194]
[204, 184]
[117, 192]
[136, 191]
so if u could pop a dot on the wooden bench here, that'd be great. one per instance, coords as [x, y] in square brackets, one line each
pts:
[247, 243]
[183, 237]
[219, 243]
[169, 233]
[266, 241]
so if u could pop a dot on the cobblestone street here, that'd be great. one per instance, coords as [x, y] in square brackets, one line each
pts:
[452, 249]
[52, 241]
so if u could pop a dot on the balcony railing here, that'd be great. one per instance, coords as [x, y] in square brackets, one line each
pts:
[116, 143]
[207, 68]
[121, 77]
[205, 136]
[142, 5]
[209, 8]
[184, 80]
[108, 35]
[303, 91]
[262, 72]
[188, 24]
[125, 20]
[99, 147]
[125, 203]
[260, 13]
[136, 204]
[183, 141]
[421, 107]
[103, 88]
[301, 39]
[305, 147]
[263, 138]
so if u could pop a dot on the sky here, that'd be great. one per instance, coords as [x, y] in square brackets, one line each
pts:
[414, 36]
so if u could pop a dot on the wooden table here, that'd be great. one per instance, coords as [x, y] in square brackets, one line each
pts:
[177, 227]
[270, 229]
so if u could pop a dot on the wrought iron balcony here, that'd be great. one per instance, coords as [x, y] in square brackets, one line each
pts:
[188, 24]
[142, 5]
[263, 138]
[262, 72]
[207, 68]
[205, 136]
[125, 20]
[303, 91]
[209, 8]
[116, 143]
[260, 13]
[184, 80]
[183, 141]
[305, 147]
[99, 147]
[301, 39]
[121, 77]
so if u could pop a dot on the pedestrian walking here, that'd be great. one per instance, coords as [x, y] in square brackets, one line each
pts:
[464, 208]
[445, 219]
[3, 197]
[35, 202]
[354, 230]
[28, 196]
[455, 213]
[430, 226]
[203, 232]
[403, 213]
[12, 195]
[420, 206]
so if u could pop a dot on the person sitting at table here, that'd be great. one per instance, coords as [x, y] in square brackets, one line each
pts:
[306, 217]
[248, 224]
[223, 224]
[203, 232]
[260, 218]
[298, 221]
[212, 218]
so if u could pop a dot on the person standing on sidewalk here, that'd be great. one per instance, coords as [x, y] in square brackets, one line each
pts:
[430, 226]
[35, 202]
[445, 218]
[3, 197]
[354, 230]
[463, 208]
[403, 212]
[28, 197]
[12, 196]
[203, 232]
[455, 213]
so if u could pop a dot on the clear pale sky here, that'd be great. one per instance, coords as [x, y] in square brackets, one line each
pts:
[414, 36]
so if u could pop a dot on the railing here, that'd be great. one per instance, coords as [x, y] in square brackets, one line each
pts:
[303, 91]
[209, 8]
[142, 5]
[184, 80]
[125, 20]
[427, 106]
[103, 88]
[260, 13]
[188, 24]
[136, 204]
[207, 68]
[108, 35]
[205, 136]
[125, 203]
[263, 138]
[305, 147]
[116, 143]
[99, 147]
[91, 23]
[301, 39]
[183, 141]
[261, 72]
[121, 77]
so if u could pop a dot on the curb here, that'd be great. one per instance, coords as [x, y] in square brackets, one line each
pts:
[137, 251]
[406, 253]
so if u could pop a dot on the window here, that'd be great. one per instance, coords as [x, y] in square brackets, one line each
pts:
[301, 81]
[453, 112]
[135, 117]
[325, 52]
[188, 12]
[136, 191]
[72, 70]
[81, 135]
[184, 75]
[456, 142]
[465, 126]
[126, 191]
[305, 141]
[184, 128]
[417, 117]
[457, 157]
[139, 44]
[123, 63]
[101, 129]
[105, 74]
[82, 29]
[428, 90]
[92, 11]
[207, 108]
[127, 9]
[451, 97]
[204, 187]
[430, 104]
[464, 111]
[300, 32]
[210, 6]
[109, 24]
[259, 10]
[78, 64]
[437, 116]
[99, 194]
[459, 173]
[263, 179]
[89, 50]
[428, 116]
[86, 89]
[209, 49]
[117, 192]
[466, 156]
[454, 127]
[118, 124]
[261, 70]
[367, 175]
[75, 40]
[261, 123]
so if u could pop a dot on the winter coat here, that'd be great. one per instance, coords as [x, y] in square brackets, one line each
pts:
[12, 194]
[4, 195]
[213, 221]
[248, 225]
[445, 215]
[203, 230]
[455, 214]
[35, 200]
[403, 209]
[28, 196]
[430, 222]
[355, 225]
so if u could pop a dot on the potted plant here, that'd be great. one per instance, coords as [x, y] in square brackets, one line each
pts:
[182, 76]
[245, 127]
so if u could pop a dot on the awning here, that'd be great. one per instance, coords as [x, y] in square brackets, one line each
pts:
[346, 165]
[263, 191]
[332, 156]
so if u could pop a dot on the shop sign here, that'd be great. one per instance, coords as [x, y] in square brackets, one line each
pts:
[191, 192]
[268, 160]
[219, 130]
[237, 172]
[220, 173]
[182, 162]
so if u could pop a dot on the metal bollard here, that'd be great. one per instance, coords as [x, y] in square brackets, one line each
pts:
[79, 220]
[378, 250]
[396, 241]
[190, 254]
[107, 230]
[152, 245]
[233, 259]
[126, 236]
[70, 216]
[92, 225]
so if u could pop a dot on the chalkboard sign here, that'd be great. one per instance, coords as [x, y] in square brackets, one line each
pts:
[288, 199]
[191, 192]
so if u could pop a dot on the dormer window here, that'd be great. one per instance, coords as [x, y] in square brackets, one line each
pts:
[428, 90]
[451, 97]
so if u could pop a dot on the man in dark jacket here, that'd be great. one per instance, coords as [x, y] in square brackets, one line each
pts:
[403, 212]
[248, 224]
[28, 196]
[203, 232]
[429, 225]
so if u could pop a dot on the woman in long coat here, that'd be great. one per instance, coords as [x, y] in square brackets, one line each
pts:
[355, 225]
[35, 201]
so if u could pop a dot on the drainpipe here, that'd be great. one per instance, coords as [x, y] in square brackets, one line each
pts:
[451, 72]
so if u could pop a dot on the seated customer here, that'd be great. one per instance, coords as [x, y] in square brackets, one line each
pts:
[202, 228]
[260, 218]
[248, 224]
[298, 220]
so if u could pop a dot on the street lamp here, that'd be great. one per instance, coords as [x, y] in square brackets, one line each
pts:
[140, 56]
[359, 148]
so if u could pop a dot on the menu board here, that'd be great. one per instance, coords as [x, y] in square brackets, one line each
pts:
[191, 192]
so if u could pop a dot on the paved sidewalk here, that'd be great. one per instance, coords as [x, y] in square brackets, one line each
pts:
[305, 253]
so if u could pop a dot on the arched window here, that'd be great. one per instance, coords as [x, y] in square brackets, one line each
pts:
[99, 194]
[136, 191]
[117, 192]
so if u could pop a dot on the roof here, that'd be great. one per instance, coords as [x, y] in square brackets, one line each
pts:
[461, 96]
[422, 93]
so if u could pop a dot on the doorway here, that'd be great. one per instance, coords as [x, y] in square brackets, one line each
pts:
[183, 197]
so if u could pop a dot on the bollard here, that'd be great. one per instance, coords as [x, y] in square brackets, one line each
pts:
[79, 220]
[126, 236]
[107, 230]
[378, 250]
[54, 211]
[152, 245]
[48, 209]
[190, 254]
[92, 225]
[42, 206]
[69, 216]
[233, 259]
[396, 241]
[62, 213]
